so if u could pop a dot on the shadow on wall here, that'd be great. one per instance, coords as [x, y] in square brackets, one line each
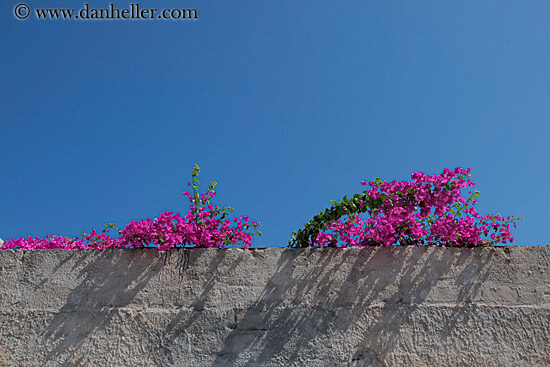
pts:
[319, 296]
[324, 303]
[109, 282]
[175, 340]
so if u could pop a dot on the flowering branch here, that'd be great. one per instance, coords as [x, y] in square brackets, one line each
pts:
[429, 210]
[205, 225]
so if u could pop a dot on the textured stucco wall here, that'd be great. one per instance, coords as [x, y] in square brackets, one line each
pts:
[400, 306]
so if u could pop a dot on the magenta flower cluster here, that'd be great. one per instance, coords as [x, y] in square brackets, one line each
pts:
[429, 210]
[205, 225]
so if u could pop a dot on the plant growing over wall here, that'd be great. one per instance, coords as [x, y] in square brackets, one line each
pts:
[205, 225]
[429, 210]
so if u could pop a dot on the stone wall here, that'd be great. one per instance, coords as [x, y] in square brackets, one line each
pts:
[399, 306]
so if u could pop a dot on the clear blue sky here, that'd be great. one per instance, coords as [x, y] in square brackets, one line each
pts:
[287, 104]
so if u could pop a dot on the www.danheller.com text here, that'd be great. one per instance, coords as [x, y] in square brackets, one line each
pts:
[133, 11]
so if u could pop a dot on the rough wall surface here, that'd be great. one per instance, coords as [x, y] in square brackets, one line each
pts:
[399, 306]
